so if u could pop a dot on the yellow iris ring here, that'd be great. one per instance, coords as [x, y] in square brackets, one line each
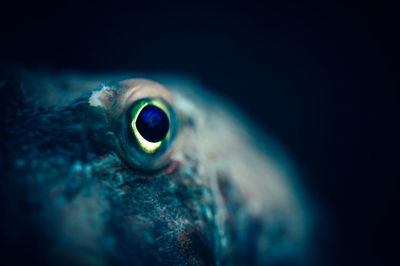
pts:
[145, 145]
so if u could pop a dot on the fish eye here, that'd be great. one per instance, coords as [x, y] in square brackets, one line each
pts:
[149, 121]
[144, 123]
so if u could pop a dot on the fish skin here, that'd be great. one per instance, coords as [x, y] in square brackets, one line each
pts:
[229, 196]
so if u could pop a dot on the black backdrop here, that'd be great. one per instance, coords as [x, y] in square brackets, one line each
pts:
[319, 76]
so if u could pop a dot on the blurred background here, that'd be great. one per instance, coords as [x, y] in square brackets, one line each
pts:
[320, 77]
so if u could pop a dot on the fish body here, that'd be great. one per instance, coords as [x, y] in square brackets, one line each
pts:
[75, 191]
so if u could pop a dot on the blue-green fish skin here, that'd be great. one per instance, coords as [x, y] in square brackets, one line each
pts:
[229, 194]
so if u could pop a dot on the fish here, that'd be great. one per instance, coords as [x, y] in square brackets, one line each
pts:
[123, 168]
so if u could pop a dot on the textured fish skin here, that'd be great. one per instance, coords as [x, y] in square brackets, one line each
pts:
[228, 196]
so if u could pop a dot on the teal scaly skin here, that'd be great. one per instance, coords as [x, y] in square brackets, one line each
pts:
[77, 186]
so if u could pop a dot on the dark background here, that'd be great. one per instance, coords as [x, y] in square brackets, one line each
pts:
[321, 77]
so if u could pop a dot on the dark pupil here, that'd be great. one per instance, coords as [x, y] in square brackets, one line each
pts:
[152, 123]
